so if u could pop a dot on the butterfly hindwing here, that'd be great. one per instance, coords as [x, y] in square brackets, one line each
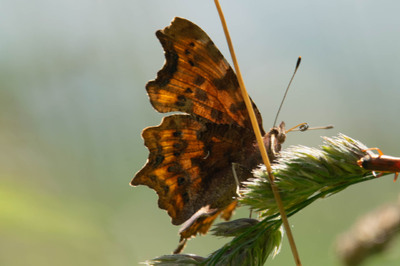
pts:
[169, 170]
[188, 163]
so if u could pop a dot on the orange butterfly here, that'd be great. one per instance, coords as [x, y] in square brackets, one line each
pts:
[191, 154]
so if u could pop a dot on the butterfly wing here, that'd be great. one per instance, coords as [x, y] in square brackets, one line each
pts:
[189, 164]
[191, 156]
[196, 78]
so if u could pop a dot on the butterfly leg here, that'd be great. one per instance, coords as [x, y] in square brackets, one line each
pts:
[181, 245]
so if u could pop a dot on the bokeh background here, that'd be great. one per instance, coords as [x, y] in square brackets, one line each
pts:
[73, 104]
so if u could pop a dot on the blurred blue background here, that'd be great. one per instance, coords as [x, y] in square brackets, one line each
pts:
[73, 104]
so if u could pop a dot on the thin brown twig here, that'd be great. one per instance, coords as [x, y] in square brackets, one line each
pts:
[260, 142]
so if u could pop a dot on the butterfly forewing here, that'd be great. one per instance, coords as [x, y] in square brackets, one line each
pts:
[196, 79]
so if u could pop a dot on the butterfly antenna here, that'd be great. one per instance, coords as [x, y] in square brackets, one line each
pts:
[287, 89]
[305, 127]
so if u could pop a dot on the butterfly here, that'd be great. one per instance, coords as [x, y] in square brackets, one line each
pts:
[196, 154]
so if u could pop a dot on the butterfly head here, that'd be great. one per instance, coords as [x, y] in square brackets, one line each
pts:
[273, 140]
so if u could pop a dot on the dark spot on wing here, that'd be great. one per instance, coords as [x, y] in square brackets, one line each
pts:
[174, 168]
[158, 160]
[181, 100]
[216, 114]
[180, 145]
[234, 108]
[199, 80]
[227, 82]
[177, 133]
[201, 95]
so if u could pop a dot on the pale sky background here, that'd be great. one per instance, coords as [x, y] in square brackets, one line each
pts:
[73, 104]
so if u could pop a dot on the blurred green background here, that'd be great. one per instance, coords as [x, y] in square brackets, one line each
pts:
[73, 104]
